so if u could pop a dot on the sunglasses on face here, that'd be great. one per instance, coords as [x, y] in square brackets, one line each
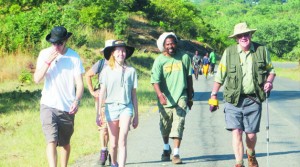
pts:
[59, 43]
[243, 35]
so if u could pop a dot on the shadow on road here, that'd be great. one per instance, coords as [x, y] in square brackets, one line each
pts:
[284, 95]
[221, 157]
[204, 96]
[275, 95]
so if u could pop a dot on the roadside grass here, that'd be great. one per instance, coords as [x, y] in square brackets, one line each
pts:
[293, 73]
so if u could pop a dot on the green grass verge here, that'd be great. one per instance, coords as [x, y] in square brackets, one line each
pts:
[293, 73]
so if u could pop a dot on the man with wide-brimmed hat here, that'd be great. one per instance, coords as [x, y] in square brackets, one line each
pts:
[247, 73]
[171, 76]
[61, 69]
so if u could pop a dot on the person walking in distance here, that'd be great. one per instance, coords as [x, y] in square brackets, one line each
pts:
[171, 77]
[94, 91]
[205, 64]
[196, 64]
[212, 60]
[118, 88]
[61, 69]
[247, 73]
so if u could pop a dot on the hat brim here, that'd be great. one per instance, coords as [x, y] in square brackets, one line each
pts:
[160, 41]
[107, 51]
[250, 30]
[53, 40]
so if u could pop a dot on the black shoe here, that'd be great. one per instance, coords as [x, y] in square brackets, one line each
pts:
[166, 155]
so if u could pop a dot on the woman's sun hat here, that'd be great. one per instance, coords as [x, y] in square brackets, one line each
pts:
[161, 40]
[111, 44]
[241, 28]
[58, 34]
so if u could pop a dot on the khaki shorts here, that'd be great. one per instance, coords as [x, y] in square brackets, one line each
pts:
[57, 125]
[172, 119]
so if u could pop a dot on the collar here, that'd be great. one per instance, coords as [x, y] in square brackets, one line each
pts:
[239, 49]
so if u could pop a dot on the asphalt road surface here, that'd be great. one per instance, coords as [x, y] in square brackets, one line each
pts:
[207, 144]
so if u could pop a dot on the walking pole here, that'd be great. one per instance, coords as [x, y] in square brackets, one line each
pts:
[267, 128]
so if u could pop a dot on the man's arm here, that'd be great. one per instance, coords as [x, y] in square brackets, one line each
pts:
[88, 77]
[79, 93]
[162, 98]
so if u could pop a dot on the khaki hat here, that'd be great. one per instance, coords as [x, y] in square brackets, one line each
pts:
[111, 44]
[107, 43]
[161, 40]
[241, 28]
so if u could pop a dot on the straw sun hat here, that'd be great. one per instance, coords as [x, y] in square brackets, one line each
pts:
[241, 28]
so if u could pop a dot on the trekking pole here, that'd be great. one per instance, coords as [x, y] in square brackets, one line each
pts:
[267, 128]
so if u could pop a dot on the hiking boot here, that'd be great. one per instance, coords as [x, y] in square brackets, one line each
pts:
[176, 159]
[252, 162]
[103, 157]
[166, 155]
[115, 165]
[239, 165]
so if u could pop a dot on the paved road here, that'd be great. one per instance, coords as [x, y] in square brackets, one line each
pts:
[207, 144]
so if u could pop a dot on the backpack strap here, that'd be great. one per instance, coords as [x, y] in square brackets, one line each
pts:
[101, 65]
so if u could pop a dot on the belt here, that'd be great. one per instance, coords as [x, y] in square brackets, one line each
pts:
[250, 96]
[247, 95]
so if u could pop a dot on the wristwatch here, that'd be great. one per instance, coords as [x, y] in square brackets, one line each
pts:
[213, 94]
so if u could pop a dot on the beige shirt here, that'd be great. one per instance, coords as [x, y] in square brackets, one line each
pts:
[246, 64]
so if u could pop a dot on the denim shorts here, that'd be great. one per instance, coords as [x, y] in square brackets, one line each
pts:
[245, 116]
[113, 111]
[57, 125]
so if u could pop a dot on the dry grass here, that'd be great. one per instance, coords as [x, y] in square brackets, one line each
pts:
[12, 65]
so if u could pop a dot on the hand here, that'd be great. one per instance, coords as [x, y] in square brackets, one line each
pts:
[135, 122]
[213, 104]
[95, 93]
[52, 55]
[99, 120]
[74, 107]
[190, 104]
[268, 86]
[162, 99]
[213, 108]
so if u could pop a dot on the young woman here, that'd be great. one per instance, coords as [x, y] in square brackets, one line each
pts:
[118, 88]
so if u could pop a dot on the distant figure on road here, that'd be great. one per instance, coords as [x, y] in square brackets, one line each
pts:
[94, 91]
[205, 64]
[212, 60]
[118, 88]
[63, 87]
[171, 77]
[196, 64]
[247, 70]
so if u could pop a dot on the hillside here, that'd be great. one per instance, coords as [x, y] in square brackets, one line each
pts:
[143, 37]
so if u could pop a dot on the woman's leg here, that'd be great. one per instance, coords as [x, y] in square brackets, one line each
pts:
[196, 72]
[113, 128]
[124, 128]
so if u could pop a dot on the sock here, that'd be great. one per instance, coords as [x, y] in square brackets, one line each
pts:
[176, 151]
[104, 148]
[250, 152]
[240, 162]
[166, 146]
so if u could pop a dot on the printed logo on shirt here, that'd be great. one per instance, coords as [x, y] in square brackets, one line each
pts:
[172, 67]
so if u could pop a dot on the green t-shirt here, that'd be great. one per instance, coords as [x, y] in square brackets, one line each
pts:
[171, 74]
[212, 57]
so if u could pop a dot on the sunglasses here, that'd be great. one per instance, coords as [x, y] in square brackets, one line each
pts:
[59, 43]
[243, 35]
